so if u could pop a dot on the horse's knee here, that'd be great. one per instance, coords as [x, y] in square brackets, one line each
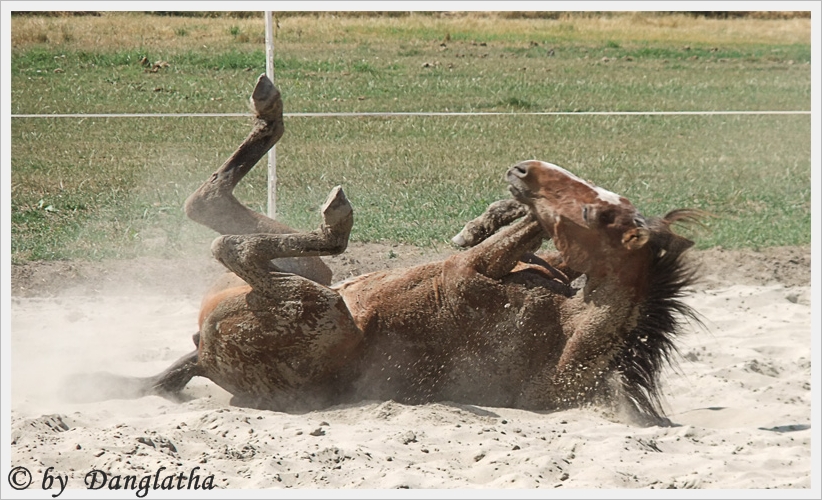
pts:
[231, 252]
[190, 207]
[460, 269]
[213, 206]
[223, 248]
[196, 206]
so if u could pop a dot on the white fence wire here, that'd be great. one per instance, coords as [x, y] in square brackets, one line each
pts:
[411, 113]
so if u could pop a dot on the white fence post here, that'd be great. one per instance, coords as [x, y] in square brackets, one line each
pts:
[272, 154]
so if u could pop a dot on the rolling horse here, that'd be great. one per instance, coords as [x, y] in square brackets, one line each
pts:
[500, 323]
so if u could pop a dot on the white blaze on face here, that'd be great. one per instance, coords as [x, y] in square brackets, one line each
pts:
[607, 196]
[602, 194]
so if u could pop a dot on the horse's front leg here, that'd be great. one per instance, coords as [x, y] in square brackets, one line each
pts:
[500, 214]
[496, 256]
[497, 215]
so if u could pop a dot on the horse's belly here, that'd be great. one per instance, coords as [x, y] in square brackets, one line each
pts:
[486, 355]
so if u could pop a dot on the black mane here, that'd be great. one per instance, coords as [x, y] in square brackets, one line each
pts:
[662, 314]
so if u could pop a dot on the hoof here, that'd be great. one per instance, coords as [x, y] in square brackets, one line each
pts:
[336, 208]
[266, 100]
[460, 241]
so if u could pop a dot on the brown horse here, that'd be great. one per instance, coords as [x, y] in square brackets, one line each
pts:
[494, 325]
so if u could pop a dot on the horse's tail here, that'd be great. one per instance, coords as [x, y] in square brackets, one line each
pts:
[101, 386]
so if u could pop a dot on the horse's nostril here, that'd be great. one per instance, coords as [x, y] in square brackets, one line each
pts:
[520, 170]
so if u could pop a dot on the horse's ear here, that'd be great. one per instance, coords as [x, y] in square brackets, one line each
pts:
[636, 238]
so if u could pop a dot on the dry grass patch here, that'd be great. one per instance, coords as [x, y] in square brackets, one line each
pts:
[122, 30]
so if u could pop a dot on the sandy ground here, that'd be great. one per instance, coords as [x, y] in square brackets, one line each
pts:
[740, 398]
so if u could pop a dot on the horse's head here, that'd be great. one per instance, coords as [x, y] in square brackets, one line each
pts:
[597, 231]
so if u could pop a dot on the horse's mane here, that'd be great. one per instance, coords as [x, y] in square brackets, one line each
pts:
[651, 343]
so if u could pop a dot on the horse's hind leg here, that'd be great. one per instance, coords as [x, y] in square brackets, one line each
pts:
[101, 386]
[213, 204]
[174, 378]
[250, 255]
[282, 344]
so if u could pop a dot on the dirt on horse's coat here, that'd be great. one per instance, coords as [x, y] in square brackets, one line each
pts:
[498, 324]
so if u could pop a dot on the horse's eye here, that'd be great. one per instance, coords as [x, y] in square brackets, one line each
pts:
[607, 217]
[585, 213]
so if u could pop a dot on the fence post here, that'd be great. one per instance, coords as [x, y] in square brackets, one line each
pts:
[272, 153]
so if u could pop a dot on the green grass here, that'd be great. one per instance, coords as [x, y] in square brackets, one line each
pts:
[380, 77]
[114, 188]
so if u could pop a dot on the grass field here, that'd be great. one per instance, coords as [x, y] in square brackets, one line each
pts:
[101, 188]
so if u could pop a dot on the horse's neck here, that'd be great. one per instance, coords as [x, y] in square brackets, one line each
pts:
[605, 304]
[625, 283]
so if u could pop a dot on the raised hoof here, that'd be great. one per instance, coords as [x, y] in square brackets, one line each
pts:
[459, 240]
[336, 209]
[266, 100]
